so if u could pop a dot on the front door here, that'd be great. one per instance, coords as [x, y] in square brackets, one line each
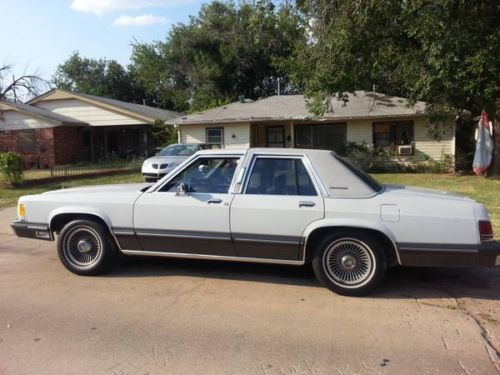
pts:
[278, 201]
[194, 220]
[275, 136]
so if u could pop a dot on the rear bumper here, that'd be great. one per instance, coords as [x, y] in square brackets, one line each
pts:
[32, 230]
[445, 255]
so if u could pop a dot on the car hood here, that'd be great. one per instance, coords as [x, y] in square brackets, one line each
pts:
[403, 190]
[165, 160]
[109, 189]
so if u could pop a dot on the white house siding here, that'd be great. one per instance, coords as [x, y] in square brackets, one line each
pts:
[88, 113]
[197, 134]
[426, 144]
[360, 131]
[13, 120]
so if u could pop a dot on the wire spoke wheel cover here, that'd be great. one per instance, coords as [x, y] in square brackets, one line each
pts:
[82, 247]
[349, 263]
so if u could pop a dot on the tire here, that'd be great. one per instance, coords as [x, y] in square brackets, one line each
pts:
[85, 247]
[150, 179]
[349, 263]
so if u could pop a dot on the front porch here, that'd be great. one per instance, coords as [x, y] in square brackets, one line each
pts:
[117, 142]
[312, 135]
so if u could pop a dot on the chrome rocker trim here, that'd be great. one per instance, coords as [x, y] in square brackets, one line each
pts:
[213, 257]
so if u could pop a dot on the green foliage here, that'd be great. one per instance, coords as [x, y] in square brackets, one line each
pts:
[98, 77]
[225, 51]
[377, 161]
[445, 52]
[11, 168]
[164, 134]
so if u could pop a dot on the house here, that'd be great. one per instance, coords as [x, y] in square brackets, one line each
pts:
[377, 120]
[61, 127]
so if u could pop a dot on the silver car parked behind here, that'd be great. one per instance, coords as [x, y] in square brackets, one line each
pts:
[167, 159]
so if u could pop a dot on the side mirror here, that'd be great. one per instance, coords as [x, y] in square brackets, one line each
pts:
[182, 190]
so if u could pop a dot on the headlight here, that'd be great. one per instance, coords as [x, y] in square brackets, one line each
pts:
[21, 211]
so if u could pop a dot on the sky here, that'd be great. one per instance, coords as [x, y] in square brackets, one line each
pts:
[37, 35]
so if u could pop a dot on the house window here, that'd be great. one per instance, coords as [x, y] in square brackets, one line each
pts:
[391, 134]
[322, 137]
[26, 141]
[215, 137]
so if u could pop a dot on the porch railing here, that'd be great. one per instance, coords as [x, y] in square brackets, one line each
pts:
[78, 170]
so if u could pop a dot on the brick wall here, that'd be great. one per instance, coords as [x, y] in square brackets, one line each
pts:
[68, 147]
[42, 155]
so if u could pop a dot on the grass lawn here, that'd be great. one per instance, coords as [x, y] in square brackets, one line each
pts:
[9, 196]
[486, 191]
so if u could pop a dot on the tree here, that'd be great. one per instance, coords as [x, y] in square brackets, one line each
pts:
[21, 88]
[224, 52]
[163, 133]
[98, 77]
[445, 52]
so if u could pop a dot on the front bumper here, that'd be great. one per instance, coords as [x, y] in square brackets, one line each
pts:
[485, 255]
[32, 230]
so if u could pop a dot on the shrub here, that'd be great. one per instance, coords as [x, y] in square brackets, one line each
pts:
[11, 168]
[383, 162]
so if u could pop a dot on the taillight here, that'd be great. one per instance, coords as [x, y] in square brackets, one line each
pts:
[485, 230]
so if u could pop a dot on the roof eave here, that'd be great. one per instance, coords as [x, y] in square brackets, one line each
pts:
[298, 118]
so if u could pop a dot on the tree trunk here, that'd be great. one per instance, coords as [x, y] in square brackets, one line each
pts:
[495, 167]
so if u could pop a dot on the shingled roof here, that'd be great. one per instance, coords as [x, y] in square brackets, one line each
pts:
[144, 112]
[41, 113]
[361, 104]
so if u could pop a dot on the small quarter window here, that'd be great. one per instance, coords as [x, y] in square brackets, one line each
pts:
[280, 176]
[215, 137]
[205, 175]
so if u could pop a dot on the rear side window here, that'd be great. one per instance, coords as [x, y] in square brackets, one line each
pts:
[275, 176]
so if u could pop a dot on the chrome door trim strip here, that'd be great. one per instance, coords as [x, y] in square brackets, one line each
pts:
[213, 257]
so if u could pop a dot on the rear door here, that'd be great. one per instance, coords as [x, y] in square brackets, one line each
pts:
[279, 199]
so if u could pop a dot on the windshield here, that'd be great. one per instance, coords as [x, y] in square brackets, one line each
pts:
[179, 150]
[369, 180]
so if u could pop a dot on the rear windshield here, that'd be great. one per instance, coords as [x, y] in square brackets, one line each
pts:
[369, 180]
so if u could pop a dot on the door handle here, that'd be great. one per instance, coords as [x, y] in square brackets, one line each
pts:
[214, 201]
[306, 204]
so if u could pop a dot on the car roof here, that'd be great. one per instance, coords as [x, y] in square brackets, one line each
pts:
[267, 151]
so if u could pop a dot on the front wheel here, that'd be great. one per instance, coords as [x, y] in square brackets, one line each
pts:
[85, 247]
[349, 263]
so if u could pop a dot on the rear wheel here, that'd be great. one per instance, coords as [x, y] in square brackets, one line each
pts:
[349, 263]
[150, 179]
[85, 247]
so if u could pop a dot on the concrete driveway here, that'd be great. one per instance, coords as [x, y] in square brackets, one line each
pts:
[160, 316]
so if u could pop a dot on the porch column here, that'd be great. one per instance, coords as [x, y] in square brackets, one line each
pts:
[292, 134]
[92, 145]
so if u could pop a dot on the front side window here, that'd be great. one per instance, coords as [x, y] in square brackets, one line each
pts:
[215, 137]
[275, 176]
[205, 175]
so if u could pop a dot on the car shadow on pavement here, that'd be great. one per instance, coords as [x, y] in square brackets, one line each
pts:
[400, 282]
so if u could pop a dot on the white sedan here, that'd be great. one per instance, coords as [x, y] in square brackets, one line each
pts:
[285, 206]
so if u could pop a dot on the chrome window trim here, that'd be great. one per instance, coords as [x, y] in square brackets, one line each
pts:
[182, 167]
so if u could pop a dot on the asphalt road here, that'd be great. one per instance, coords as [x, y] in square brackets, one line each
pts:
[160, 316]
